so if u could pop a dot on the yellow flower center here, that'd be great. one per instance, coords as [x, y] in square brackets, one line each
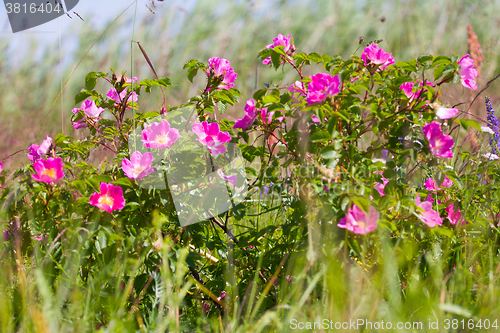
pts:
[52, 173]
[138, 170]
[162, 139]
[106, 200]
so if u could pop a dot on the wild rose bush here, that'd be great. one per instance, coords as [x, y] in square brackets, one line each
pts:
[382, 156]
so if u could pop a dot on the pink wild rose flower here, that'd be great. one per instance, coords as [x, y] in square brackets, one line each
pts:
[1, 166]
[221, 68]
[358, 222]
[439, 143]
[36, 152]
[455, 217]
[298, 87]
[431, 185]
[139, 165]
[159, 135]
[249, 117]
[126, 79]
[430, 216]
[233, 179]
[372, 54]
[380, 187]
[446, 113]
[48, 171]
[119, 98]
[286, 41]
[267, 117]
[321, 87]
[211, 136]
[407, 88]
[91, 113]
[109, 199]
[467, 72]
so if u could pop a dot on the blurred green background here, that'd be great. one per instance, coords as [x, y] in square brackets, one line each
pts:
[173, 32]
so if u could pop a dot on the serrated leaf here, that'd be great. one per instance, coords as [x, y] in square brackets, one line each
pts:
[424, 58]
[315, 57]
[221, 96]
[102, 237]
[191, 63]
[222, 107]
[280, 49]
[440, 60]
[276, 60]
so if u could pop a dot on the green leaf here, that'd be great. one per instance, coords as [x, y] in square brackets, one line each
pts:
[102, 237]
[222, 107]
[406, 66]
[440, 60]
[193, 62]
[280, 49]
[259, 94]
[222, 96]
[276, 60]
[125, 181]
[389, 173]
[424, 58]
[321, 136]
[362, 203]
[250, 152]
[315, 57]
[438, 72]
[271, 99]
[465, 123]
[344, 115]
[90, 81]
[264, 53]
[329, 152]
[151, 114]
[81, 96]
[191, 73]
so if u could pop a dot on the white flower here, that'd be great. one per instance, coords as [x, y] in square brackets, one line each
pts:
[375, 160]
[491, 156]
[486, 129]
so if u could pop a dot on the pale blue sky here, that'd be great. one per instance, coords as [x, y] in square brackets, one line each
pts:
[99, 12]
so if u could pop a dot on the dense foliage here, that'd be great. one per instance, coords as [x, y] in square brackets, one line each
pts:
[345, 168]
